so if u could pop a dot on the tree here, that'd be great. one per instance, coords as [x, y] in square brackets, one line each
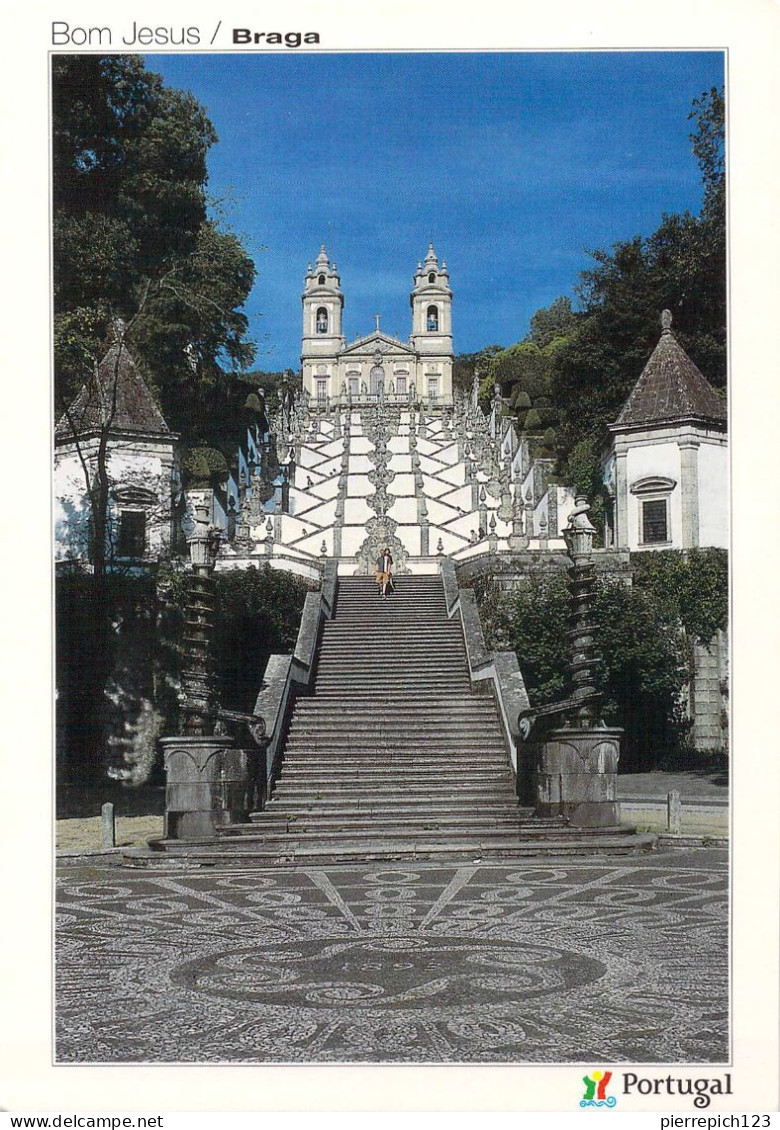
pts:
[680, 267]
[131, 233]
[557, 320]
[466, 365]
[643, 670]
[135, 253]
[522, 366]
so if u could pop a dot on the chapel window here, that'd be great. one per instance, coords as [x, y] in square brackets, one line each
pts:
[321, 280]
[655, 524]
[432, 277]
[322, 320]
[132, 533]
[433, 318]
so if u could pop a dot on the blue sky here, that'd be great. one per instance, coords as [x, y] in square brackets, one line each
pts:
[513, 164]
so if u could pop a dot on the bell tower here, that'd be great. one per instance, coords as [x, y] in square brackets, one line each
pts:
[431, 302]
[322, 339]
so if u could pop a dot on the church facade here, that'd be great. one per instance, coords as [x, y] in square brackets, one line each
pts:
[377, 366]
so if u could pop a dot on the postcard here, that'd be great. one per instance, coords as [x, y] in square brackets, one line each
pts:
[391, 594]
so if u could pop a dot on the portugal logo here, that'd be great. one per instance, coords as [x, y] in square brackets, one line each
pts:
[596, 1090]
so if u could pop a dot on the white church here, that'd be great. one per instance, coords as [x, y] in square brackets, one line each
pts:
[378, 364]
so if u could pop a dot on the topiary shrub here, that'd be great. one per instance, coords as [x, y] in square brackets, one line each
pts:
[204, 466]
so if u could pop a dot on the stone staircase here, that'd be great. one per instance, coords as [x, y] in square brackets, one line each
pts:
[394, 756]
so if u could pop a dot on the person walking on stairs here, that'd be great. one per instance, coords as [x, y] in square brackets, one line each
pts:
[384, 572]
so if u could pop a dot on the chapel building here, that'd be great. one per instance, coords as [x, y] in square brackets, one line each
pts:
[377, 366]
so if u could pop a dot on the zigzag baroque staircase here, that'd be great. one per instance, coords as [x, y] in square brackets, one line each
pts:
[394, 755]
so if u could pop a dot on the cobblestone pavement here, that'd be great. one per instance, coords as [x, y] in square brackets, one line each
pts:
[554, 961]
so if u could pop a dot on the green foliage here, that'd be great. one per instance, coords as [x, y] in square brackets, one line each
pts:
[260, 611]
[583, 469]
[132, 238]
[643, 670]
[116, 658]
[466, 365]
[604, 347]
[117, 672]
[532, 622]
[553, 322]
[693, 587]
[204, 466]
[709, 146]
[524, 365]
[524, 372]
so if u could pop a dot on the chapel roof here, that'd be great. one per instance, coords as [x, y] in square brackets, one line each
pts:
[118, 398]
[670, 388]
[378, 340]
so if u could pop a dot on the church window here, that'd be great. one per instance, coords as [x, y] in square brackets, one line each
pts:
[433, 387]
[132, 533]
[433, 318]
[401, 386]
[322, 388]
[655, 524]
[321, 280]
[432, 277]
[653, 495]
[322, 320]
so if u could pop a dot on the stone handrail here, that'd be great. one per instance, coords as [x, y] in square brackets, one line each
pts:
[563, 709]
[499, 669]
[286, 675]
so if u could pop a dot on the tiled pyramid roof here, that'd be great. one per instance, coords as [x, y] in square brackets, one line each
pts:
[132, 409]
[670, 388]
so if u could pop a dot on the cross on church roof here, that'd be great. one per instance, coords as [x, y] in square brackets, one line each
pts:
[377, 317]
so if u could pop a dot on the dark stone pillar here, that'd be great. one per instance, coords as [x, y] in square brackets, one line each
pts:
[577, 776]
[209, 785]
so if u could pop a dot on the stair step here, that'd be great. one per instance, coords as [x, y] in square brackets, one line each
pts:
[301, 745]
[441, 684]
[460, 718]
[356, 835]
[347, 757]
[333, 701]
[388, 649]
[525, 846]
[313, 824]
[445, 706]
[473, 794]
[363, 776]
[386, 731]
[369, 807]
[562, 841]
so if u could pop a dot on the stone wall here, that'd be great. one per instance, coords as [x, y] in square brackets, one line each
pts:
[708, 698]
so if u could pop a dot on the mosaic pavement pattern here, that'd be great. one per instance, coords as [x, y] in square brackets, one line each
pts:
[593, 961]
